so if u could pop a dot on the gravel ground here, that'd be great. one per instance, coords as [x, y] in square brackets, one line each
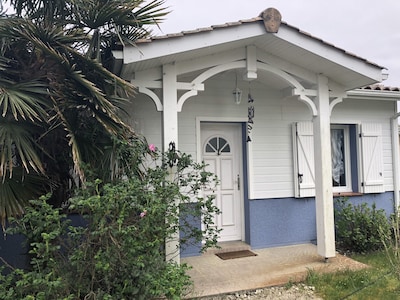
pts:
[298, 292]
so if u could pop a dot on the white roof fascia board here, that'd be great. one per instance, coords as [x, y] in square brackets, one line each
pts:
[330, 53]
[191, 42]
[206, 39]
[363, 94]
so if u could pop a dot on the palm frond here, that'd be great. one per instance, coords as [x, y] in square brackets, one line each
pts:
[60, 106]
[24, 100]
[73, 143]
[95, 97]
[150, 14]
[16, 191]
[17, 145]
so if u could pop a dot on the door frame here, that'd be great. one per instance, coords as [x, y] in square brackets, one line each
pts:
[222, 120]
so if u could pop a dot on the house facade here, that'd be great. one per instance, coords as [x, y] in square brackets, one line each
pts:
[286, 121]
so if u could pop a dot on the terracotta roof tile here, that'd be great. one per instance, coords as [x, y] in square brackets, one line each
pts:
[142, 41]
[220, 26]
[186, 32]
[252, 20]
[231, 24]
[381, 87]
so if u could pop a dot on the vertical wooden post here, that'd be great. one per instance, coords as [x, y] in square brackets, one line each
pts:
[395, 159]
[323, 172]
[170, 134]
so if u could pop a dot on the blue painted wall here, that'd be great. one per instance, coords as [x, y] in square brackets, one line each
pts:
[14, 251]
[269, 223]
[383, 201]
[191, 247]
[279, 222]
[14, 248]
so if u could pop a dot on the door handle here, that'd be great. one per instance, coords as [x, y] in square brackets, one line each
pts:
[238, 182]
[300, 177]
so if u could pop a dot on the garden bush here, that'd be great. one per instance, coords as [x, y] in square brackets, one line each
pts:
[120, 252]
[359, 227]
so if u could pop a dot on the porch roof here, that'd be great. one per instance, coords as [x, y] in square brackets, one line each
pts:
[289, 44]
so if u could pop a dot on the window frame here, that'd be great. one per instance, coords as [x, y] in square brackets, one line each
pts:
[365, 159]
[347, 159]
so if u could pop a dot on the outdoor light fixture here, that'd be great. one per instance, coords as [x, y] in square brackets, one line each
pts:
[237, 93]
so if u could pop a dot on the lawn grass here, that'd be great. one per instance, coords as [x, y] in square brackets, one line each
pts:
[376, 282]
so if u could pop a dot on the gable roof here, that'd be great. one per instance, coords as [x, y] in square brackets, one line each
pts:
[289, 44]
[240, 22]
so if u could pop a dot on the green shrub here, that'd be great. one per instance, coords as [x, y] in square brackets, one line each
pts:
[359, 227]
[43, 226]
[120, 253]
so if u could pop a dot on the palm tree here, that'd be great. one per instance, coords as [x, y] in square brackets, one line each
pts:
[60, 105]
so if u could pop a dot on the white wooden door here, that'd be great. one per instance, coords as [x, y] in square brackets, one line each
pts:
[221, 151]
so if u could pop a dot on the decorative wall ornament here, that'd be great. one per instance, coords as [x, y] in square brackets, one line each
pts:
[250, 114]
[272, 19]
[172, 155]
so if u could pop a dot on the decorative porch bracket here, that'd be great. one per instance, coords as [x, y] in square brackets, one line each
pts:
[338, 99]
[146, 86]
[207, 74]
[152, 96]
[251, 65]
[305, 94]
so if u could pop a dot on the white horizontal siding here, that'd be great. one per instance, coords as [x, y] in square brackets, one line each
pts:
[145, 119]
[272, 175]
[271, 146]
[187, 135]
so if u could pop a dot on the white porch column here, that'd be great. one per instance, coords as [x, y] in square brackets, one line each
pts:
[396, 159]
[323, 172]
[170, 134]
[170, 108]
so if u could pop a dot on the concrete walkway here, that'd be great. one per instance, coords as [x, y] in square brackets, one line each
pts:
[271, 267]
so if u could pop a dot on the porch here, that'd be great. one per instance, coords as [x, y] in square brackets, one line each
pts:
[271, 267]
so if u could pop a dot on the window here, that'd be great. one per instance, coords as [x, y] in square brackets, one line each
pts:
[217, 145]
[341, 159]
[357, 158]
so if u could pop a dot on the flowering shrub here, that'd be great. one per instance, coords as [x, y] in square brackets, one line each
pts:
[120, 254]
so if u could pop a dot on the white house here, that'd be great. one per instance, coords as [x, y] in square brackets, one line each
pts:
[311, 124]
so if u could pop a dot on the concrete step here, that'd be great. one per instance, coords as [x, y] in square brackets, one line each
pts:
[228, 247]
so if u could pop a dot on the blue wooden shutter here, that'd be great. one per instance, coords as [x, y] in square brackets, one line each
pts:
[372, 158]
[304, 171]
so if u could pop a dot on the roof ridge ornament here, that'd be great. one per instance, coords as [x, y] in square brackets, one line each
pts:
[272, 19]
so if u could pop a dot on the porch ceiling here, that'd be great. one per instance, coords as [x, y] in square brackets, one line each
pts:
[289, 45]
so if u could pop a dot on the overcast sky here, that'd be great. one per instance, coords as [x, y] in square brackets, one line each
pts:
[367, 28]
